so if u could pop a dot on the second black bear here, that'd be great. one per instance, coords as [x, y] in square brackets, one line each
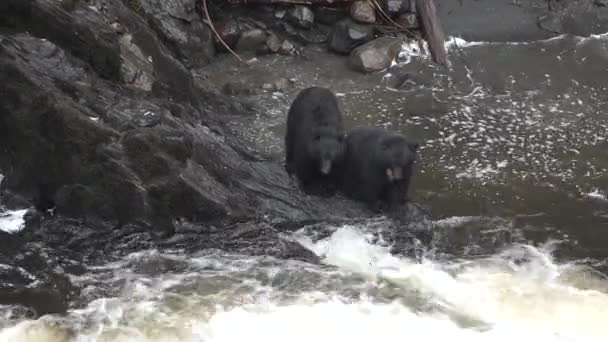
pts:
[378, 166]
[314, 140]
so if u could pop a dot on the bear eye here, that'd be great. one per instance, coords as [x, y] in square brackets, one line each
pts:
[317, 137]
[385, 146]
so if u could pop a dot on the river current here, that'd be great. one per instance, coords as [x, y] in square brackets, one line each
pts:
[513, 140]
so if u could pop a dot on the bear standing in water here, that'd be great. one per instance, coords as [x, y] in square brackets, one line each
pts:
[378, 166]
[314, 141]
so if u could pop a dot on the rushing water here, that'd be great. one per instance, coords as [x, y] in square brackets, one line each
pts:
[514, 140]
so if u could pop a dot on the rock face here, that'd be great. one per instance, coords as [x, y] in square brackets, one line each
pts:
[347, 35]
[376, 55]
[363, 12]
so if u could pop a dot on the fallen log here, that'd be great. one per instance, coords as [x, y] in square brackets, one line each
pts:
[432, 30]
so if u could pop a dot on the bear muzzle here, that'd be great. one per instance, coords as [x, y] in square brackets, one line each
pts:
[394, 173]
[325, 166]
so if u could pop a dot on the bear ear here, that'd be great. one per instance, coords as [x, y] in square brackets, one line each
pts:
[413, 146]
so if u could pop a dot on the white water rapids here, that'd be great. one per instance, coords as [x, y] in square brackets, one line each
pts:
[370, 295]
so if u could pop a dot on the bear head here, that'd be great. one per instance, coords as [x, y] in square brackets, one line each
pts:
[327, 148]
[395, 154]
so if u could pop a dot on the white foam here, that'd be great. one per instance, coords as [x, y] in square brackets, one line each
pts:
[597, 194]
[12, 221]
[528, 300]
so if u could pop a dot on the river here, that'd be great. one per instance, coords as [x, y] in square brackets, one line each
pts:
[513, 164]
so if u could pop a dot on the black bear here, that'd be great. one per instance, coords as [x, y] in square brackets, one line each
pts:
[378, 166]
[314, 140]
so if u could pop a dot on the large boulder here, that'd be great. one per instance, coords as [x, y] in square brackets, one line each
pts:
[376, 55]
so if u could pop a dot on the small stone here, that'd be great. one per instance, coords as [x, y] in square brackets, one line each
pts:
[408, 20]
[267, 86]
[251, 40]
[375, 55]
[229, 31]
[347, 35]
[363, 12]
[287, 48]
[301, 16]
[281, 84]
[274, 43]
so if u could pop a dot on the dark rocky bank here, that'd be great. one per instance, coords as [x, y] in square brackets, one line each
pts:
[107, 133]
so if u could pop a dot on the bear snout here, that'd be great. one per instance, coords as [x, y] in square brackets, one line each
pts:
[325, 166]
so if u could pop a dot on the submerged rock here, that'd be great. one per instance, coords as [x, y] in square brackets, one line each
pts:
[301, 16]
[363, 12]
[347, 35]
[376, 55]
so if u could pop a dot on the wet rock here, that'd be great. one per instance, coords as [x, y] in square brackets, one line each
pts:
[376, 55]
[347, 35]
[252, 40]
[32, 277]
[301, 16]
[362, 11]
[329, 15]
[287, 48]
[408, 20]
[273, 43]
[177, 22]
[230, 31]
[137, 69]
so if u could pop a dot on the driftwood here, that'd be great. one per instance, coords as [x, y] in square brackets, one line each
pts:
[433, 32]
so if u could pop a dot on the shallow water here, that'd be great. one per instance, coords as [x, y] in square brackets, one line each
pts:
[513, 164]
